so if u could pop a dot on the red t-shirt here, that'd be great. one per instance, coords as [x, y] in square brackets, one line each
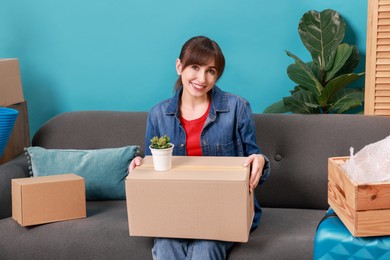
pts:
[193, 130]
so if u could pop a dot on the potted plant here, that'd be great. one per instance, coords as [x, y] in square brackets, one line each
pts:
[161, 149]
[322, 83]
[7, 120]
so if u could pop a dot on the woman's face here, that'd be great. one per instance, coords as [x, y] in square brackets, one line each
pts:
[197, 80]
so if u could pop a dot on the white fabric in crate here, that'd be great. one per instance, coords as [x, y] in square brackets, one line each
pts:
[371, 164]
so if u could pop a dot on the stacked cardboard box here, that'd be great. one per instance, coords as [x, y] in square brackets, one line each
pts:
[12, 97]
[10, 82]
[200, 198]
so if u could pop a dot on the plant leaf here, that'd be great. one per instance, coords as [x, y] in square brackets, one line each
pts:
[302, 74]
[276, 108]
[347, 99]
[335, 85]
[301, 102]
[316, 71]
[321, 33]
[351, 63]
[344, 51]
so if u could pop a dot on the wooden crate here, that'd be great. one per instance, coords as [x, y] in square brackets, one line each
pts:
[363, 208]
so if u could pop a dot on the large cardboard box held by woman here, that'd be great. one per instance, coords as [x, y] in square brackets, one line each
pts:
[199, 198]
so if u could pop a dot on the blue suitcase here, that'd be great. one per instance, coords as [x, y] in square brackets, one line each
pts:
[334, 241]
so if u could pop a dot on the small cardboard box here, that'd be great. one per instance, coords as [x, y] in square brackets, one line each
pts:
[46, 199]
[10, 82]
[199, 198]
[363, 208]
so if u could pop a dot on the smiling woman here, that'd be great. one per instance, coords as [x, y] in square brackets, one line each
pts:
[197, 81]
[203, 120]
[210, 54]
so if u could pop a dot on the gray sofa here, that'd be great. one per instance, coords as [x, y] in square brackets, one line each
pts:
[294, 199]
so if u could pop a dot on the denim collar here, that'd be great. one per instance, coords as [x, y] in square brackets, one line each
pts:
[218, 102]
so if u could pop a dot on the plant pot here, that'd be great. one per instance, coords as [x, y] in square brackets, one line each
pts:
[7, 121]
[162, 158]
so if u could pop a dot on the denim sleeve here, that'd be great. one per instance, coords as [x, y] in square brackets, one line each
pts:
[150, 132]
[247, 130]
[266, 170]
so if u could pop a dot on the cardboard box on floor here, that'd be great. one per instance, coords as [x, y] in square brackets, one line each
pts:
[10, 82]
[199, 198]
[39, 200]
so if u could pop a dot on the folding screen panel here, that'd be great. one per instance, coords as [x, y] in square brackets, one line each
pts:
[377, 87]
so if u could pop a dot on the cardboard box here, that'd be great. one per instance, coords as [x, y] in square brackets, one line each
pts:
[199, 198]
[46, 199]
[363, 208]
[10, 82]
[20, 135]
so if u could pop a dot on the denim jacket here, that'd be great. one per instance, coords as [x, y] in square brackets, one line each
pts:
[229, 130]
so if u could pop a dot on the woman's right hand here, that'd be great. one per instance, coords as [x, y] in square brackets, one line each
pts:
[137, 161]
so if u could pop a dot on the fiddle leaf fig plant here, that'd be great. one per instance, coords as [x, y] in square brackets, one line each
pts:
[322, 84]
[162, 142]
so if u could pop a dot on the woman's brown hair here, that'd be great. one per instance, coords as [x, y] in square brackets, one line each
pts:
[201, 50]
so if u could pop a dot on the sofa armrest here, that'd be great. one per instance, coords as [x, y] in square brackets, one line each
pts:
[16, 168]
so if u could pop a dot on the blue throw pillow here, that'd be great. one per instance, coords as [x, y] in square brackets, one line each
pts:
[104, 170]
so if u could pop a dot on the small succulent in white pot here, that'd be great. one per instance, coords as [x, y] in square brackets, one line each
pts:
[162, 150]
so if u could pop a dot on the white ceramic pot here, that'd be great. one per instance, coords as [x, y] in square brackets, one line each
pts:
[162, 158]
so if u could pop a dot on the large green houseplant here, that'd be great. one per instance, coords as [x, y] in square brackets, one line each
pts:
[322, 84]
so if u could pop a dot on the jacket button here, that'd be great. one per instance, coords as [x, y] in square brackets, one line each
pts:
[278, 157]
[182, 145]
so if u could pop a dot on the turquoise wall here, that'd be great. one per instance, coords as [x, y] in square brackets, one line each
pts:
[120, 55]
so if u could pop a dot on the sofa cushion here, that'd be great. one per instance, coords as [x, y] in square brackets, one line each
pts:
[104, 234]
[104, 170]
[282, 234]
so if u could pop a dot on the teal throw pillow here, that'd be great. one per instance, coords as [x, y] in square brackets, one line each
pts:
[104, 170]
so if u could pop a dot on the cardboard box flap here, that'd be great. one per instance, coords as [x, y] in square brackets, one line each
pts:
[142, 173]
[194, 169]
[211, 162]
[48, 179]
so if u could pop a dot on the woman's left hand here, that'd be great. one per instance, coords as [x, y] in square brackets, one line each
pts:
[257, 161]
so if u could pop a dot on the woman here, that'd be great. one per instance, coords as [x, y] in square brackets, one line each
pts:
[203, 120]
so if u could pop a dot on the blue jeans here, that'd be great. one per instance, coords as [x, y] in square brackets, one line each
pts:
[183, 249]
